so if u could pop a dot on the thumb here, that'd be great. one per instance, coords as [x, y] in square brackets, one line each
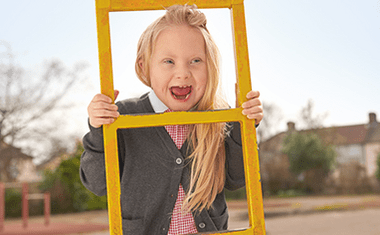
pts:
[116, 92]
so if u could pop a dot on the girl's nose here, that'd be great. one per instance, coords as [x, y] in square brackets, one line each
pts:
[182, 72]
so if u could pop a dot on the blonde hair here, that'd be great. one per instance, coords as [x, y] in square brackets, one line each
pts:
[205, 140]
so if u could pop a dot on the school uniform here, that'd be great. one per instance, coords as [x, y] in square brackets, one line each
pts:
[152, 169]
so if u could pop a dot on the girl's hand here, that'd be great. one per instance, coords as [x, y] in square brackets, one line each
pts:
[253, 108]
[102, 111]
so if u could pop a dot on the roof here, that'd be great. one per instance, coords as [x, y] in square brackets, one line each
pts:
[346, 135]
[12, 152]
[342, 135]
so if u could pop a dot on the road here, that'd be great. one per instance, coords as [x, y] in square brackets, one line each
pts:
[363, 222]
[345, 222]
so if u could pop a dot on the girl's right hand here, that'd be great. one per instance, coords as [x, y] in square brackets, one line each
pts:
[102, 111]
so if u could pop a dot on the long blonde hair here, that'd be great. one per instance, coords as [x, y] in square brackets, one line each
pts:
[205, 140]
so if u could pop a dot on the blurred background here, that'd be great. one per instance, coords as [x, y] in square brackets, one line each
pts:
[316, 64]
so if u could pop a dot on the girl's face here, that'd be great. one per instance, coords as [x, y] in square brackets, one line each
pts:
[178, 69]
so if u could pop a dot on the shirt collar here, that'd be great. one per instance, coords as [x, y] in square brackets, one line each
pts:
[156, 103]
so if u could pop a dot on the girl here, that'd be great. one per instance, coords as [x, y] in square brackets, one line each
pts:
[172, 177]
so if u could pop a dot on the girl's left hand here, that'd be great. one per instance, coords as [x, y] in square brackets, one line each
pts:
[253, 108]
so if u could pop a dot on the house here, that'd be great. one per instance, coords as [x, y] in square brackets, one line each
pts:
[15, 165]
[355, 143]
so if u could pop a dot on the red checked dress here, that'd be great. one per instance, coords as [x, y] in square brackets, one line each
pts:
[180, 223]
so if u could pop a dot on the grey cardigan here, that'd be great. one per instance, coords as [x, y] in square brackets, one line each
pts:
[151, 169]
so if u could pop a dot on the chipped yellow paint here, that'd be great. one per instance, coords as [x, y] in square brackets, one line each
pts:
[122, 5]
[249, 142]
[251, 161]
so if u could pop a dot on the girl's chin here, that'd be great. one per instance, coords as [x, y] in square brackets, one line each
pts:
[180, 106]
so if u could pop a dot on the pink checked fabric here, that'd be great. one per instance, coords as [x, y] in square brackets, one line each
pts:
[180, 223]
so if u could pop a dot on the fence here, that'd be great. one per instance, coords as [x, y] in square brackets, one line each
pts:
[24, 203]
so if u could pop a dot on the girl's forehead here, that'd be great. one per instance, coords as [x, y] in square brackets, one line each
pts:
[179, 39]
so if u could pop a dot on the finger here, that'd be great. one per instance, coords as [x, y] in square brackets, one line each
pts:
[107, 120]
[253, 110]
[98, 110]
[101, 117]
[116, 92]
[251, 103]
[103, 105]
[96, 116]
[101, 113]
[257, 116]
[102, 98]
[253, 94]
[98, 122]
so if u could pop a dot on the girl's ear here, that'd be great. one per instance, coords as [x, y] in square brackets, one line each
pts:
[141, 64]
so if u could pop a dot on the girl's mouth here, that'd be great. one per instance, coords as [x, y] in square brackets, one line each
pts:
[181, 92]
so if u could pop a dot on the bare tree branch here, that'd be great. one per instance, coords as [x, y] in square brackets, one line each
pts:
[309, 119]
[27, 100]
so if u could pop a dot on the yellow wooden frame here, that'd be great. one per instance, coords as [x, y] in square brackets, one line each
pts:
[248, 132]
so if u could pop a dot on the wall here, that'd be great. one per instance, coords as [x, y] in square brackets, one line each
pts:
[371, 151]
[348, 153]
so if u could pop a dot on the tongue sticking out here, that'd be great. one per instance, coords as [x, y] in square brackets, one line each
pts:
[181, 93]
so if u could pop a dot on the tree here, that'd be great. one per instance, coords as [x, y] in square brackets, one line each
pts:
[67, 191]
[310, 156]
[377, 174]
[27, 100]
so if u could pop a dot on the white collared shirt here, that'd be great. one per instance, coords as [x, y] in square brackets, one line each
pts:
[156, 103]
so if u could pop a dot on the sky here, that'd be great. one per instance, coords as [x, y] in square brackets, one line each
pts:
[326, 51]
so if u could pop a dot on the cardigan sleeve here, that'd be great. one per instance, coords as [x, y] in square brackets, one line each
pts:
[92, 165]
[92, 169]
[235, 177]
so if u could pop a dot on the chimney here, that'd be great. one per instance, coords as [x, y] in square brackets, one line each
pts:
[291, 126]
[372, 118]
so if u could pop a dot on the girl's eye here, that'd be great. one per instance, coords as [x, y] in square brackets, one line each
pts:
[194, 61]
[168, 61]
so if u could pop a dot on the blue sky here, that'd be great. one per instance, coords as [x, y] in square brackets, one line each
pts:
[327, 51]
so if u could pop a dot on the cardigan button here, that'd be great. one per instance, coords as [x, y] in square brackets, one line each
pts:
[178, 161]
[202, 225]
